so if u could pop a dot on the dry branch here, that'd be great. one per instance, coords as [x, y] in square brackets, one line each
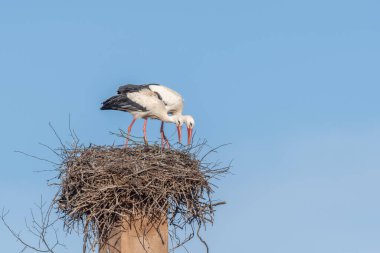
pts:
[42, 228]
[101, 186]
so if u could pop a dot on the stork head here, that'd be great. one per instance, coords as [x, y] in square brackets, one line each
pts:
[190, 123]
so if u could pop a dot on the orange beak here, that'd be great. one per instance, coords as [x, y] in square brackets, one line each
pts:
[189, 135]
[179, 129]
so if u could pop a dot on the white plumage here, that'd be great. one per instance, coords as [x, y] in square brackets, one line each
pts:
[174, 105]
[173, 100]
[150, 101]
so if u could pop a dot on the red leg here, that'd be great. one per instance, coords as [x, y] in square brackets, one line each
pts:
[164, 140]
[129, 131]
[179, 130]
[144, 130]
[162, 135]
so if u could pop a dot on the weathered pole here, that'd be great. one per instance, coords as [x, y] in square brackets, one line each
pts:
[133, 239]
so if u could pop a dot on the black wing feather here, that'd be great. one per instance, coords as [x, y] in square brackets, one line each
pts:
[122, 103]
[124, 89]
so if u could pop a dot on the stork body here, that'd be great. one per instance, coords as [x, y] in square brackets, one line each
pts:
[141, 102]
[173, 103]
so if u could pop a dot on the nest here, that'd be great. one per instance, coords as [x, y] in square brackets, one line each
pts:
[101, 186]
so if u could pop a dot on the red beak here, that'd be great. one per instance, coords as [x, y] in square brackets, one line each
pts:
[179, 129]
[189, 135]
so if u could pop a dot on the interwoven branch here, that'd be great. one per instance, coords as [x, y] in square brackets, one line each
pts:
[100, 186]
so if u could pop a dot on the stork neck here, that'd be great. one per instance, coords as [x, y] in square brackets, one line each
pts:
[170, 118]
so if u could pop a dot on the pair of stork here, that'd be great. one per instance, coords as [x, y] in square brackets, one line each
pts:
[152, 101]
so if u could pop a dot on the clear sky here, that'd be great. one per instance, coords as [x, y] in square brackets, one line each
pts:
[293, 85]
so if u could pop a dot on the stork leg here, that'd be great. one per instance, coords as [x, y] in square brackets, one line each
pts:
[164, 140]
[129, 131]
[144, 130]
[162, 135]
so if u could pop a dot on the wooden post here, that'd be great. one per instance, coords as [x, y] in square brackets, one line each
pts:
[130, 240]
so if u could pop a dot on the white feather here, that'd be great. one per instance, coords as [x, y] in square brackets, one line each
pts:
[172, 99]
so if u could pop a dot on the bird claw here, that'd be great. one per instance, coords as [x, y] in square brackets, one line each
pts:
[167, 143]
[164, 141]
[126, 142]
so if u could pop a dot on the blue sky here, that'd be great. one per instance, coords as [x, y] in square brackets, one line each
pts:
[293, 85]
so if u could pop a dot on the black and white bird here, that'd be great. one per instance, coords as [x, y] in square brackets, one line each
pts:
[151, 101]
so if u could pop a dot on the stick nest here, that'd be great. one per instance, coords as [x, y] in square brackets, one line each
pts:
[102, 185]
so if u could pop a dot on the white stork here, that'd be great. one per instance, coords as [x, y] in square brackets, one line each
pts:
[143, 102]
